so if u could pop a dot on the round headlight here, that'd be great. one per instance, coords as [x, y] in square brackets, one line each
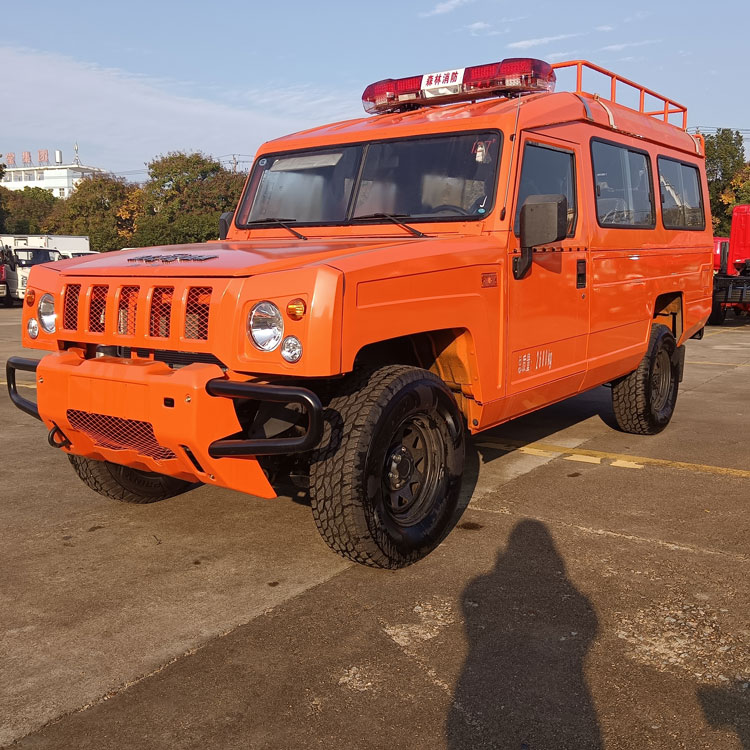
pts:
[265, 326]
[291, 349]
[32, 328]
[46, 311]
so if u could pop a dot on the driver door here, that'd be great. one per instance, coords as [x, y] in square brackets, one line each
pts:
[548, 309]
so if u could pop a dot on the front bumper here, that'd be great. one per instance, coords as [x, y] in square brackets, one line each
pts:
[143, 414]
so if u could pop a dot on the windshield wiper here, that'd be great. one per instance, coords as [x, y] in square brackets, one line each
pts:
[281, 222]
[395, 218]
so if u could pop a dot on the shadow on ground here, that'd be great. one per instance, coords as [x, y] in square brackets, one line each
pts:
[728, 709]
[529, 630]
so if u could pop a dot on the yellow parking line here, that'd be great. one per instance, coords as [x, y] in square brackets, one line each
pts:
[582, 458]
[627, 464]
[622, 460]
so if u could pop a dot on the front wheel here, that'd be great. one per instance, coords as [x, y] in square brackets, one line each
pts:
[384, 485]
[125, 484]
[644, 400]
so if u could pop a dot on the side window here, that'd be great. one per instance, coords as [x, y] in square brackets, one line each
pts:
[681, 200]
[547, 171]
[624, 189]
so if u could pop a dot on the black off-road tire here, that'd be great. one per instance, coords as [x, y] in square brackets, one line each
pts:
[718, 314]
[127, 485]
[644, 400]
[377, 418]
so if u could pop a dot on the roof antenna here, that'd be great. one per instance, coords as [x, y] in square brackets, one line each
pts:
[76, 159]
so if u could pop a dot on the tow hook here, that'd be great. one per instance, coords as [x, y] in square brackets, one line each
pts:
[63, 441]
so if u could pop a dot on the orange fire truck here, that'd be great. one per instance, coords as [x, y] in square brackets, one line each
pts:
[478, 248]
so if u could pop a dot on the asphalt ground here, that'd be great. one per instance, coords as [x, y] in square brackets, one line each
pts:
[594, 594]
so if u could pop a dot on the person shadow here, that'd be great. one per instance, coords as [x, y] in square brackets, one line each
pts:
[728, 709]
[529, 629]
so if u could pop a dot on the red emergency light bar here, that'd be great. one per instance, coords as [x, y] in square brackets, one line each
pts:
[520, 75]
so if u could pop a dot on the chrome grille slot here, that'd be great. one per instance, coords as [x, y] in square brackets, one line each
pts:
[127, 309]
[161, 311]
[197, 312]
[98, 308]
[70, 306]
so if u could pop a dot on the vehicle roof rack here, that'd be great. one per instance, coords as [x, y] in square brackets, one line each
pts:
[670, 107]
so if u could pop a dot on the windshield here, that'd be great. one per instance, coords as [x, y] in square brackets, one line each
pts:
[427, 179]
[35, 256]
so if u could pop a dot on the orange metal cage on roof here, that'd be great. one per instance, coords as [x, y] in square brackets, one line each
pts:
[670, 107]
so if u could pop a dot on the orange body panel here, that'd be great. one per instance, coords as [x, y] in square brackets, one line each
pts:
[70, 386]
[523, 343]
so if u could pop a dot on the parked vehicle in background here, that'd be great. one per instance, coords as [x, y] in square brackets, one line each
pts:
[67, 244]
[721, 252]
[732, 277]
[16, 263]
[479, 248]
[76, 253]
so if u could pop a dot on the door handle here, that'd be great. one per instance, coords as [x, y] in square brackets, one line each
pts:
[581, 274]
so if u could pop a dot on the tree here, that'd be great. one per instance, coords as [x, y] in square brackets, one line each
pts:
[725, 156]
[182, 200]
[92, 209]
[738, 191]
[26, 210]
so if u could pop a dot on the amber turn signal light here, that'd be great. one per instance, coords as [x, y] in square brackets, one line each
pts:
[296, 309]
[30, 297]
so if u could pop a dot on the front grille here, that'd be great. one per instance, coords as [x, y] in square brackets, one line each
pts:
[70, 306]
[112, 309]
[119, 434]
[127, 308]
[196, 312]
[161, 312]
[98, 308]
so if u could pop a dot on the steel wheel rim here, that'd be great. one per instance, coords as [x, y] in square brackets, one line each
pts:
[412, 471]
[661, 380]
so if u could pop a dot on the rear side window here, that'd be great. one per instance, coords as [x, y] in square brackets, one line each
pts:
[681, 200]
[624, 188]
[547, 171]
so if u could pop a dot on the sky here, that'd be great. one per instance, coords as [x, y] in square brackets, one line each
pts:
[130, 81]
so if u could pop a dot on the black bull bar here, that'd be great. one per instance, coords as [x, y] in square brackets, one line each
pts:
[221, 388]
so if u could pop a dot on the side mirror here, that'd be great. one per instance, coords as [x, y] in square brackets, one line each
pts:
[225, 221]
[544, 220]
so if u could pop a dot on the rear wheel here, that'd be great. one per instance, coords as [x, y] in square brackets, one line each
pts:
[384, 485]
[644, 400]
[127, 485]
[718, 314]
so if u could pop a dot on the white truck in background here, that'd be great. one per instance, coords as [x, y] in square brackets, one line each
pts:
[69, 245]
[19, 252]
[15, 265]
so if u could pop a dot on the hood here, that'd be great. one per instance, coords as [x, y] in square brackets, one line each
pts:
[224, 259]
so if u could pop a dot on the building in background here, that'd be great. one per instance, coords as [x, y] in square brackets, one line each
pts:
[60, 179]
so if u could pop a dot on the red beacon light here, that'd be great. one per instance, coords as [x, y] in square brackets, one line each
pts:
[516, 75]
